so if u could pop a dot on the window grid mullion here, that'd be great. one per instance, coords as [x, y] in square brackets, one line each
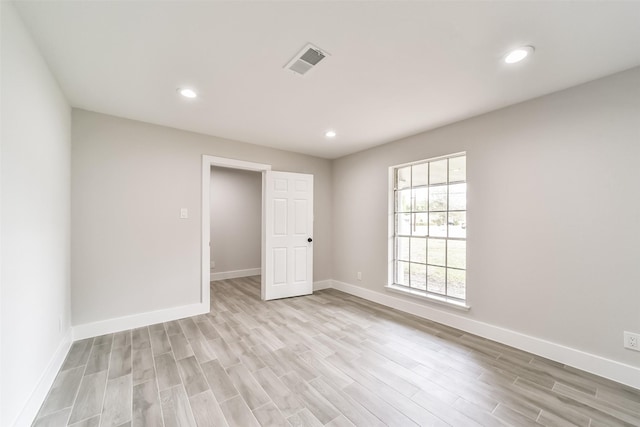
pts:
[412, 213]
[446, 243]
[426, 269]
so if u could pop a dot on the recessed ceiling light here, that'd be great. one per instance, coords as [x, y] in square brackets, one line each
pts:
[517, 55]
[330, 134]
[187, 93]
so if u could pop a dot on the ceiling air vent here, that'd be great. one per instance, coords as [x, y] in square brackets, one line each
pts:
[306, 59]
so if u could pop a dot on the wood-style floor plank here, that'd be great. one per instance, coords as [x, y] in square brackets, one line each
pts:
[304, 418]
[269, 415]
[78, 354]
[142, 367]
[146, 405]
[247, 386]
[54, 419]
[203, 349]
[173, 327]
[206, 410]
[176, 410]
[90, 397]
[99, 358]
[192, 377]
[140, 338]
[89, 422]
[320, 407]
[167, 371]
[349, 408]
[219, 381]
[160, 342]
[237, 413]
[180, 345]
[120, 362]
[381, 409]
[122, 339]
[327, 359]
[280, 395]
[63, 391]
[117, 402]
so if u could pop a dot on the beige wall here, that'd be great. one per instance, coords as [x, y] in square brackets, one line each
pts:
[36, 144]
[553, 213]
[236, 219]
[131, 252]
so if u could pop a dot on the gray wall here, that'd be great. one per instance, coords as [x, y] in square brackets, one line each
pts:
[131, 252]
[35, 162]
[553, 213]
[236, 219]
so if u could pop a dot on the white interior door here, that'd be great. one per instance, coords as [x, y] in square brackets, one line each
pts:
[288, 247]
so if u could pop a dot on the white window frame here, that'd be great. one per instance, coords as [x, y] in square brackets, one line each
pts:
[391, 244]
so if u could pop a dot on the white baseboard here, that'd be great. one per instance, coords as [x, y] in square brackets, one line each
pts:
[607, 368]
[221, 275]
[118, 324]
[39, 394]
[322, 284]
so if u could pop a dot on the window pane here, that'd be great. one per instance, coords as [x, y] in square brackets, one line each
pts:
[438, 198]
[458, 224]
[431, 226]
[438, 172]
[418, 249]
[403, 178]
[418, 276]
[456, 253]
[436, 252]
[420, 226]
[403, 201]
[458, 197]
[420, 199]
[402, 248]
[438, 224]
[403, 224]
[458, 169]
[420, 174]
[402, 273]
[456, 283]
[435, 279]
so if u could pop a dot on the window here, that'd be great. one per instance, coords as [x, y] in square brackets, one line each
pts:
[430, 228]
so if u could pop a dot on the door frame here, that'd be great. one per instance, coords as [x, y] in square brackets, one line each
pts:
[207, 163]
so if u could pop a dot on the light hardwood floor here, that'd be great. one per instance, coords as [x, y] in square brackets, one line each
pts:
[327, 359]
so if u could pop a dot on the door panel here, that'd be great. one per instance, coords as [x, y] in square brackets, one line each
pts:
[288, 227]
[280, 217]
[300, 212]
[279, 266]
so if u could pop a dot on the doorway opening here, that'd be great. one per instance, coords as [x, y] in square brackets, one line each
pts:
[286, 242]
[235, 209]
[209, 162]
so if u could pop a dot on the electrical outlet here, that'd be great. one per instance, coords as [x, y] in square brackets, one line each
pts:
[359, 275]
[632, 341]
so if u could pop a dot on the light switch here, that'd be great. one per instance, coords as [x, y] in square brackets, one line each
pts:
[184, 213]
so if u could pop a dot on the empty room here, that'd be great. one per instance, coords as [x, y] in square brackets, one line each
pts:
[319, 213]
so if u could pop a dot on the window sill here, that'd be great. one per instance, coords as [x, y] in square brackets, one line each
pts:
[448, 302]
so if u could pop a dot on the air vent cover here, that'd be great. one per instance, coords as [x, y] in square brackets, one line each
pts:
[306, 59]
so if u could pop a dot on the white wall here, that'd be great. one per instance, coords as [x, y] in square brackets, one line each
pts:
[236, 219]
[35, 222]
[131, 252]
[553, 215]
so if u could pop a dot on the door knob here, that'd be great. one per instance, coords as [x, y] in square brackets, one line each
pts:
[309, 240]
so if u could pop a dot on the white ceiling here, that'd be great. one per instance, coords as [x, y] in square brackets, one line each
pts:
[396, 68]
